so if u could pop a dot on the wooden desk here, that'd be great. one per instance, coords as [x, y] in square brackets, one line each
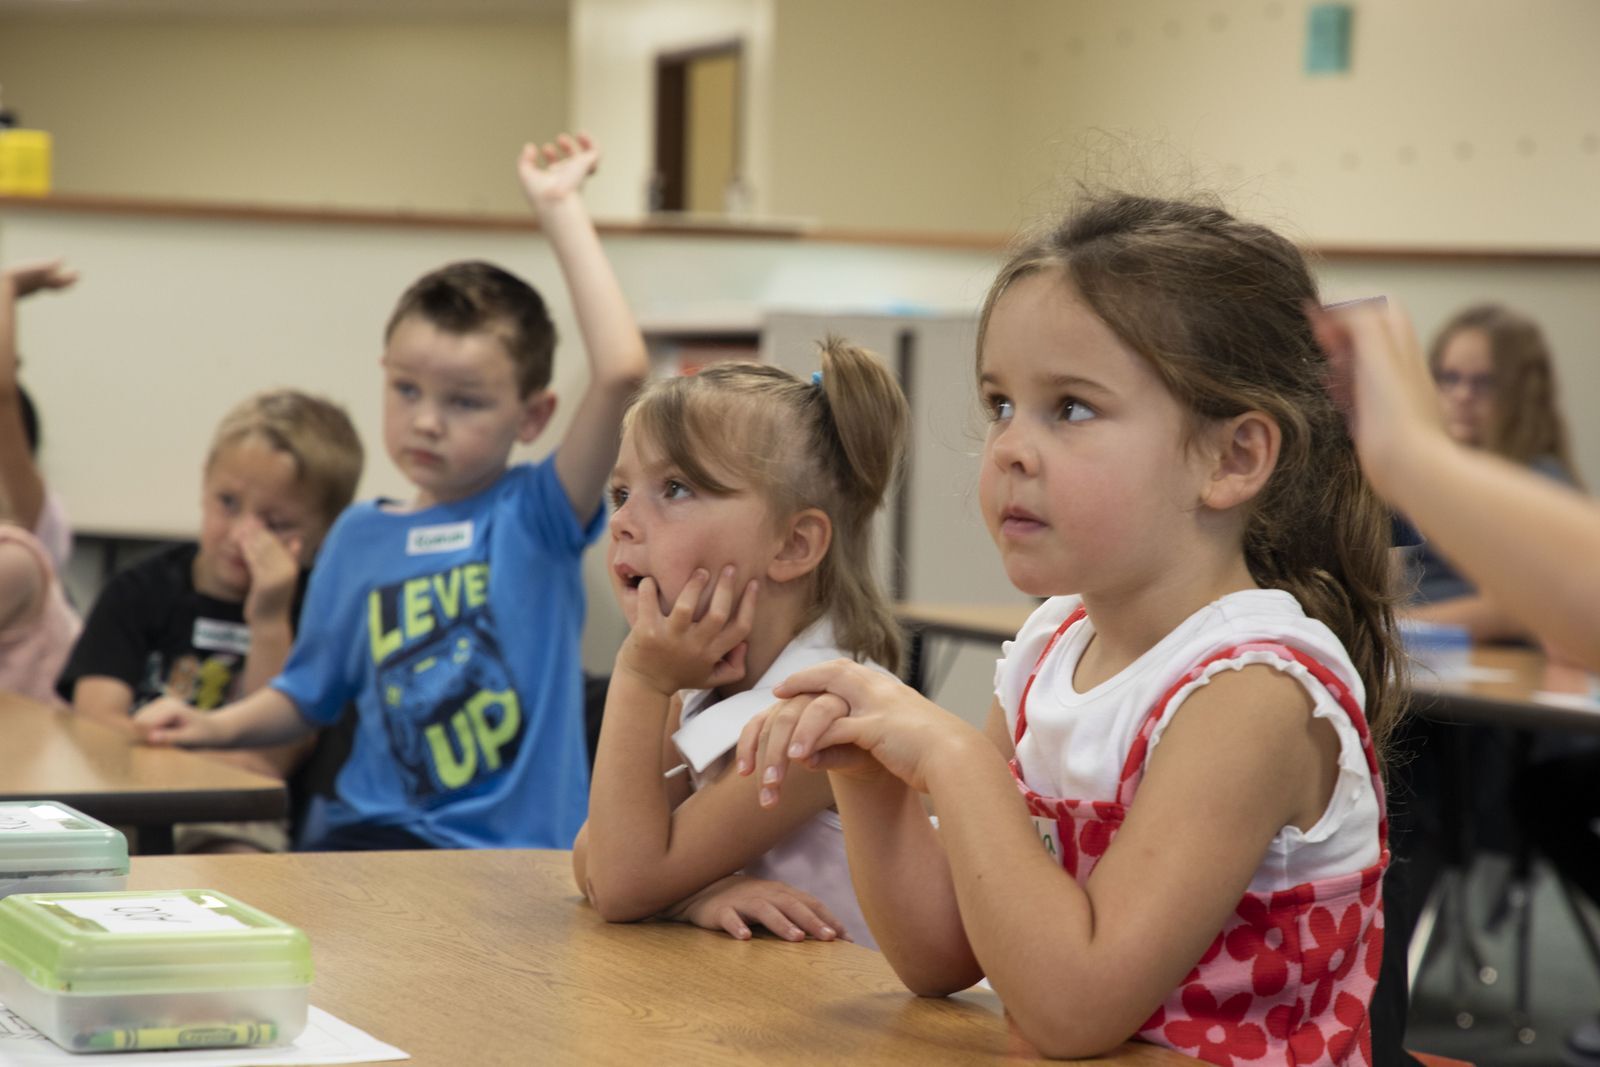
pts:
[58, 755]
[492, 958]
[1533, 694]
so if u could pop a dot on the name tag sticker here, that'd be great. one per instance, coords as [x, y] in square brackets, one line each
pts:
[1049, 832]
[214, 635]
[145, 915]
[447, 537]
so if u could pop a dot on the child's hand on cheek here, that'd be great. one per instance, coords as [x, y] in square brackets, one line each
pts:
[686, 648]
[274, 568]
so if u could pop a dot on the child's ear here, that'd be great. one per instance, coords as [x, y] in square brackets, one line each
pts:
[537, 407]
[1245, 453]
[806, 537]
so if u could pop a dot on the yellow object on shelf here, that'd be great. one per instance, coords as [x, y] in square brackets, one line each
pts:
[24, 162]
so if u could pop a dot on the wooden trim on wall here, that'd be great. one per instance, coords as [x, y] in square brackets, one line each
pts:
[700, 226]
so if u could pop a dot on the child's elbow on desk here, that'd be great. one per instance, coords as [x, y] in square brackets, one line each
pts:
[610, 907]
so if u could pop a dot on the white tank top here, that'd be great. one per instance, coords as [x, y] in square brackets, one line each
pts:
[1076, 742]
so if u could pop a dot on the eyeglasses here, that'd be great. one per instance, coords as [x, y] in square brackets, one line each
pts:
[1476, 384]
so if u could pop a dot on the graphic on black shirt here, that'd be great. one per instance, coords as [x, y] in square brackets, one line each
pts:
[452, 714]
[206, 683]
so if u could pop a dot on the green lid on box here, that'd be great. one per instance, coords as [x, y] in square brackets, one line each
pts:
[45, 837]
[165, 940]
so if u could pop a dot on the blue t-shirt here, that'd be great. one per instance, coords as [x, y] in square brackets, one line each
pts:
[455, 630]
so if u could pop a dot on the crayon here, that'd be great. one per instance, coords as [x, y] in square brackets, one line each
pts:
[209, 1035]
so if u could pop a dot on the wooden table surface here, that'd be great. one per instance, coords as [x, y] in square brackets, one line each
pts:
[48, 753]
[1507, 687]
[493, 958]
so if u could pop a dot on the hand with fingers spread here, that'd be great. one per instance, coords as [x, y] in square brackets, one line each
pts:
[274, 567]
[557, 170]
[734, 902]
[1379, 379]
[848, 718]
[699, 643]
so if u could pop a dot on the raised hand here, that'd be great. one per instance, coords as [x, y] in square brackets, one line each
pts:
[557, 170]
[28, 278]
[690, 648]
[1379, 378]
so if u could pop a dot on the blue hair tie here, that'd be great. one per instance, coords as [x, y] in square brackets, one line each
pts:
[816, 378]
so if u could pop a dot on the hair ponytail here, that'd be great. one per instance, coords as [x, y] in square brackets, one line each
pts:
[865, 414]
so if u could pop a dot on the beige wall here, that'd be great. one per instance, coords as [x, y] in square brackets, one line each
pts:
[894, 114]
[418, 115]
[1461, 122]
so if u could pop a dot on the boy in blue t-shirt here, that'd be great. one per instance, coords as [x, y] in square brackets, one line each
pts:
[452, 621]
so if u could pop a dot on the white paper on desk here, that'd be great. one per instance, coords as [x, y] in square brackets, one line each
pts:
[324, 1040]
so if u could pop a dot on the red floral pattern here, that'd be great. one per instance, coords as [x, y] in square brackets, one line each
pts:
[1281, 981]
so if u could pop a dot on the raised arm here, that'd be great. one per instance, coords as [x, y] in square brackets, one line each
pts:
[19, 476]
[1531, 545]
[552, 177]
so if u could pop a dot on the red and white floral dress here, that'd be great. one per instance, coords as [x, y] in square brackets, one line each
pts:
[1288, 980]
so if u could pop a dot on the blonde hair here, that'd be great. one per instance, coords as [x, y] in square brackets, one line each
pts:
[1527, 423]
[1217, 307]
[834, 445]
[315, 433]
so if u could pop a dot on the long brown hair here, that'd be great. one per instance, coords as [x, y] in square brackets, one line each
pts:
[1527, 423]
[835, 445]
[1216, 305]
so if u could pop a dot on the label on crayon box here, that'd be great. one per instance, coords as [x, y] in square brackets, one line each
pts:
[31, 818]
[149, 915]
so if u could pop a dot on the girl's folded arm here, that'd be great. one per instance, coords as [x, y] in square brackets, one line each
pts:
[1081, 969]
[649, 843]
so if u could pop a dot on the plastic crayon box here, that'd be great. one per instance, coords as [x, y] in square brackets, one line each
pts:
[152, 970]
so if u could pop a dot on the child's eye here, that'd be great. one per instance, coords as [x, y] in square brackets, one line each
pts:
[1000, 409]
[619, 497]
[279, 527]
[1074, 410]
[406, 390]
[468, 403]
[673, 489]
[229, 502]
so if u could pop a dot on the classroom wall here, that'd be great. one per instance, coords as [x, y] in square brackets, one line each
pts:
[1460, 122]
[405, 114]
[613, 48]
[896, 114]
